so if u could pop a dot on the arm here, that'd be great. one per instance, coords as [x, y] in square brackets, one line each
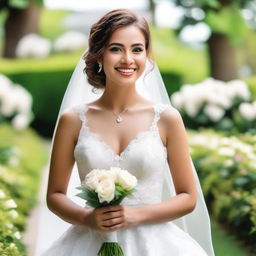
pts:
[61, 165]
[62, 162]
[182, 173]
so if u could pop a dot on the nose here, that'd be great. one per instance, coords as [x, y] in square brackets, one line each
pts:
[127, 58]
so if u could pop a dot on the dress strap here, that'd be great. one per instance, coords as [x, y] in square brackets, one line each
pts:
[159, 108]
[80, 110]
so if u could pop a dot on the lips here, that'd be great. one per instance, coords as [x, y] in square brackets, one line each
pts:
[126, 71]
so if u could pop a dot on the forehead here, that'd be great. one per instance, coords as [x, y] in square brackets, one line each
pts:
[127, 35]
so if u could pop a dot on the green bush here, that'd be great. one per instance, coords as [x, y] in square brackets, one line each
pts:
[47, 90]
[226, 167]
[22, 158]
[251, 82]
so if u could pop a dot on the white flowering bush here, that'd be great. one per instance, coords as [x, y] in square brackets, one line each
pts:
[22, 156]
[227, 169]
[70, 41]
[218, 104]
[10, 237]
[15, 104]
[33, 46]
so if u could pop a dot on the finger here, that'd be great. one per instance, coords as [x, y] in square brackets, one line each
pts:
[112, 222]
[111, 215]
[112, 208]
[116, 227]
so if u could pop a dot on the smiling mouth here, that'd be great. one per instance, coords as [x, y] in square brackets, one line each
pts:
[126, 71]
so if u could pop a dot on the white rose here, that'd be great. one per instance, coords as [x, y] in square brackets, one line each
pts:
[214, 112]
[10, 204]
[92, 179]
[126, 180]
[247, 111]
[106, 190]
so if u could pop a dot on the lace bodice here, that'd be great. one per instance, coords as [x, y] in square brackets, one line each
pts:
[145, 157]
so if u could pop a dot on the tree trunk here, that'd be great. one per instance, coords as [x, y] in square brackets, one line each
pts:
[222, 56]
[19, 23]
[152, 8]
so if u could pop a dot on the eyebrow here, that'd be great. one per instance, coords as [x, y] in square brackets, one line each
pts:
[137, 44]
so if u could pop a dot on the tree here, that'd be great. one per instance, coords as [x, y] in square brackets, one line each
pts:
[228, 28]
[22, 18]
[152, 9]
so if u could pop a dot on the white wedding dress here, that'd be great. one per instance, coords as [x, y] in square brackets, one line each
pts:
[146, 158]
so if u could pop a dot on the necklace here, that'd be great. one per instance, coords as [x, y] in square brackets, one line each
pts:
[119, 119]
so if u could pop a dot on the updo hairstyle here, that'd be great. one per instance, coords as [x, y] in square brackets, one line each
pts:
[99, 36]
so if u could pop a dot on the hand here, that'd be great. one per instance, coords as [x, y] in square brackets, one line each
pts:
[112, 218]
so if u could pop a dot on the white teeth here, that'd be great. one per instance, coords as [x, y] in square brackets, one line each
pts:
[125, 70]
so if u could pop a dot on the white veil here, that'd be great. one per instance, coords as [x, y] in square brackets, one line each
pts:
[150, 85]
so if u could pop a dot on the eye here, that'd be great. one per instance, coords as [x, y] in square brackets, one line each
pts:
[114, 49]
[138, 49]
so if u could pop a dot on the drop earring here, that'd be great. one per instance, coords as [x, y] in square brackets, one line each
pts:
[100, 67]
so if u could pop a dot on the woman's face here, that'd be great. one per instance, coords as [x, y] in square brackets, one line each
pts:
[125, 56]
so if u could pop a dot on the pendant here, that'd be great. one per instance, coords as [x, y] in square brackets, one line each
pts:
[119, 119]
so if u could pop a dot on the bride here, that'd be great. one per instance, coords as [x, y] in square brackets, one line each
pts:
[129, 124]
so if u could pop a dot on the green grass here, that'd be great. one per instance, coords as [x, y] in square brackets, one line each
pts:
[226, 244]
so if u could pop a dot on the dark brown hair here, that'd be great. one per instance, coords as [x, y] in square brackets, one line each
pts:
[100, 34]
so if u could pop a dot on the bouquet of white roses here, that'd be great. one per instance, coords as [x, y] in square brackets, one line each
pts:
[107, 187]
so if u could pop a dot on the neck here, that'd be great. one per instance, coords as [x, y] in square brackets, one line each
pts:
[118, 100]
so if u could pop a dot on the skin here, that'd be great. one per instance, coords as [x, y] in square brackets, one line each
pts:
[120, 93]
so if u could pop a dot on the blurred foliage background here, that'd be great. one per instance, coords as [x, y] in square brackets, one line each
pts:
[227, 53]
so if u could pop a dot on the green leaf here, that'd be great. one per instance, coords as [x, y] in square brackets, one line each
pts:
[224, 22]
[88, 194]
[209, 3]
[20, 4]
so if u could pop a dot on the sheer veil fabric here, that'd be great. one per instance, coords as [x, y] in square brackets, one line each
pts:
[150, 85]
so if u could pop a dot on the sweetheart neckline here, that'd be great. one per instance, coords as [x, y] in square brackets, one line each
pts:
[153, 128]
[119, 156]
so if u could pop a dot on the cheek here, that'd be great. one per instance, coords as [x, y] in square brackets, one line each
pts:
[109, 59]
[141, 61]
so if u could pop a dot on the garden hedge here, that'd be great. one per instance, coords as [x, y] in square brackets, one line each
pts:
[22, 156]
[227, 170]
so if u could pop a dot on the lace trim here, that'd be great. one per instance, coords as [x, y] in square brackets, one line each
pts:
[81, 110]
[158, 109]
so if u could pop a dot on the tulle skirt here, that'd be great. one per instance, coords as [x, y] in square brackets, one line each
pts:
[165, 239]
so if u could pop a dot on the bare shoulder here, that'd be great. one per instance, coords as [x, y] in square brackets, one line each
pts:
[69, 117]
[170, 116]
[69, 123]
